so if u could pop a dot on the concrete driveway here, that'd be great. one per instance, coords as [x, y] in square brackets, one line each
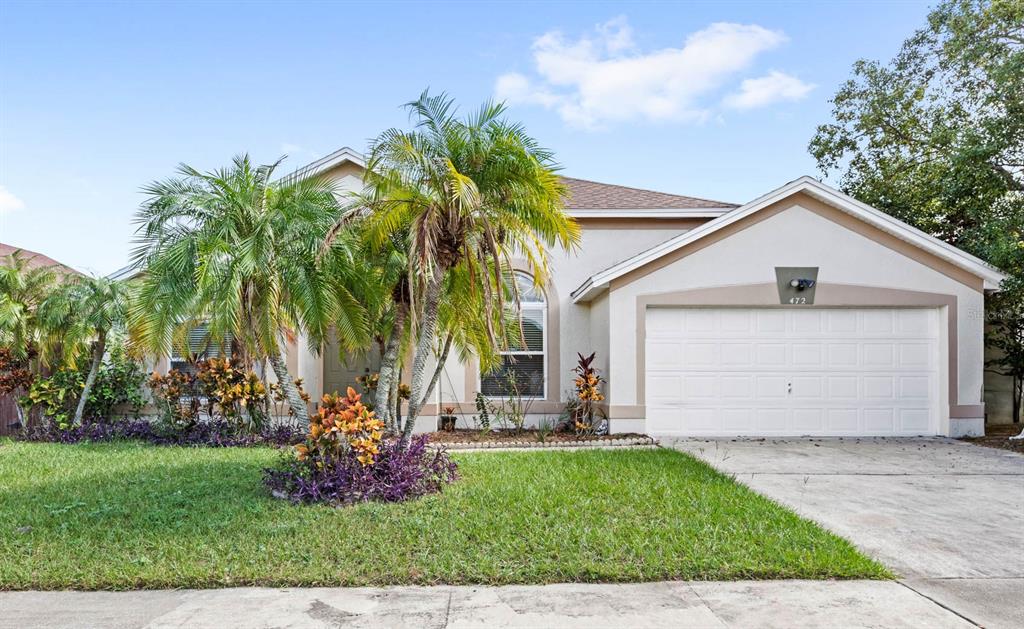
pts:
[946, 516]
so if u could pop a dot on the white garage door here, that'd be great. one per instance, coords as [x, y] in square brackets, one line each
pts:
[774, 371]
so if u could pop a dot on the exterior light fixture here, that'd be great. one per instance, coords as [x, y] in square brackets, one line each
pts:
[801, 284]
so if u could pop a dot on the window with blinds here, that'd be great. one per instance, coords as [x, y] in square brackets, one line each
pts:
[198, 346]
[522, 368]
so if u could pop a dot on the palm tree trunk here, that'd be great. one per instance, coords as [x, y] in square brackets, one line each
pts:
[441, 360]
[291, 393]
[424, 348]
[395, 402]
[389, 369]
[98, 348]
[20, 412]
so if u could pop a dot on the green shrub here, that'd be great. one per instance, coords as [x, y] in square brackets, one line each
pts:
[118, 383]
[57, 395]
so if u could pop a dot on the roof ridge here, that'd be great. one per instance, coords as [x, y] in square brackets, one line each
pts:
[671, 194]
[42, 259]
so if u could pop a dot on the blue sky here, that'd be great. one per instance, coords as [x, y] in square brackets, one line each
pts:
[711, 99]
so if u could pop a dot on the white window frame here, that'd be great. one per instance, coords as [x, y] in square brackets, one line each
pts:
[542, 306]
[173, 356]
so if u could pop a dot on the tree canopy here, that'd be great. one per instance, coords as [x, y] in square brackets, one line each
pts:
[936, 138]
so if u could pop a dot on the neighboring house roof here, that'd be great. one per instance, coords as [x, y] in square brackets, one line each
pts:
[586, 199]
[327, 162]
[992, 277]
[125, 272]
[36, 260]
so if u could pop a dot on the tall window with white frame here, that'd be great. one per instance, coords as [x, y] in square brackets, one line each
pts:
[522, 371]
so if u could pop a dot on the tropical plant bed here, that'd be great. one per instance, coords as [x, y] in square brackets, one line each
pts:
[998, 436]
[463, 438]
[128, 515]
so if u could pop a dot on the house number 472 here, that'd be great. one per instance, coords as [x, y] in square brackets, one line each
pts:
[798, 300]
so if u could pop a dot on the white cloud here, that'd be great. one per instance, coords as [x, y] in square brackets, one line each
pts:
[8, 202]
[774, 87]
[601, 78]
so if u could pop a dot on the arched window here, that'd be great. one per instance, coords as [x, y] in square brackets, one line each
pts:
[522, 368]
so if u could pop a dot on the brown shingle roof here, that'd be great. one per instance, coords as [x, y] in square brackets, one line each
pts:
[591, 195]
[36, 259]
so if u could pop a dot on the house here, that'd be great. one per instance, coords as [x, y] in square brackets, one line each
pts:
[36, 260]
[801, 312]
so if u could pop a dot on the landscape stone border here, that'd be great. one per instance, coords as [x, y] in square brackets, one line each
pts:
[624, 442]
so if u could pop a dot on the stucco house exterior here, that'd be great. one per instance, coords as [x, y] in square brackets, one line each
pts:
[801, 312]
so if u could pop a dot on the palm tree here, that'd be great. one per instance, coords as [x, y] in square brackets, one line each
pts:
[238, 250]
[86, 311]
[23, 289]
[464, 196]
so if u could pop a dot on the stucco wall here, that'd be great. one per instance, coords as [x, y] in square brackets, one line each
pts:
[601, 248]
[794, 236]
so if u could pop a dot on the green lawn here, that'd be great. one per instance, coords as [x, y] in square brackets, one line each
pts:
[134, 516]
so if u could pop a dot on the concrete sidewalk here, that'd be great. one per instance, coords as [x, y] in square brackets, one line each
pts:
[669, 604]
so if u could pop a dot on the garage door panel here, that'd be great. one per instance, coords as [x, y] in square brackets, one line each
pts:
[738, 354]
[809, 420]
[912, 321]
[770, 387]
[696, 387]
[915, 387]
[878, 354]
[842, 355]
[807, 354]
[771, 355]
[843, 420]
[793, 372]
[699, 355]
[879, 387]
[841, 321]
[806, 322]
[915, 355]
[879, 420]
[771, 420]
[665, 355]
[697, 321]
[664, 322]
[666, 388]
[735, 420]
[877, 322]
[736, 321]
[737, 387]
[772, 321]
[914, 419]
[807, 387]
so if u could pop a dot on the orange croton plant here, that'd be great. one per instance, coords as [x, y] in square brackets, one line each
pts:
[343, 423]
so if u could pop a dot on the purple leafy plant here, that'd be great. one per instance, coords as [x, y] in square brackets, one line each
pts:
[397, 475]
[214, 433]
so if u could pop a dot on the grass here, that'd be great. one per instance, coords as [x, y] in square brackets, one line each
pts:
[126, 515]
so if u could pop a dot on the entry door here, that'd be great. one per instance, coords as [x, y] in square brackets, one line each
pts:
[340, 372]
[792, 372]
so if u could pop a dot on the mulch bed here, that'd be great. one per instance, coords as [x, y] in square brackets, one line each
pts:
[527, 438]
[998, 436]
